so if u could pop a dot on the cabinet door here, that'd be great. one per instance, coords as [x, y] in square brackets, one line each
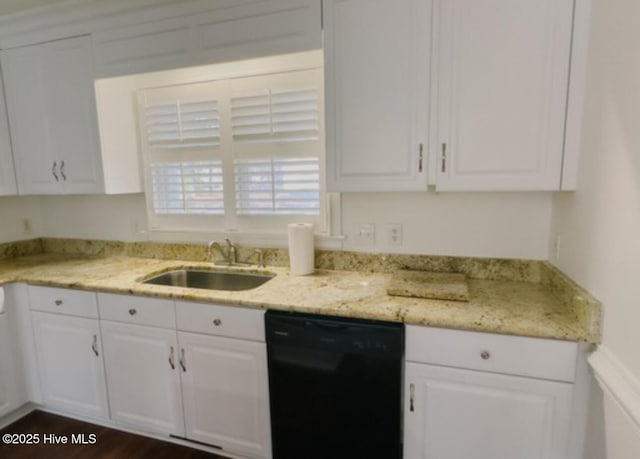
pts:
[72, 114]
[7, 172]
[460, 414]
[143, 377]
[377, 77]
[502, 77]
[225, 393]
[24, 79]
[51, 106]
[70, 364]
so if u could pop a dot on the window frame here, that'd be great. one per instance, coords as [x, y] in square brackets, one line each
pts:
[249, 226]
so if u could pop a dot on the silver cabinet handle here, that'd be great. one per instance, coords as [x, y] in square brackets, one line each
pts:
[444, 157]
[171, 360]
[58, 302]
[132, 312]
[53, 171]
[485, 355]
[420, 157]
[183, 363]
[94, 346]
[217, 322]
[64, 177]
[411, 393]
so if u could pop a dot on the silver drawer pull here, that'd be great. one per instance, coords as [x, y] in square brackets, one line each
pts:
[132, 312]
[53, 171]
[171, 360]
[485, 355]
[94, 346]
[58, 302]
[217, 322]
[183, 362]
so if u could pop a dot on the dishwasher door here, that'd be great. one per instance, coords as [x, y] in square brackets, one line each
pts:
[335, 387]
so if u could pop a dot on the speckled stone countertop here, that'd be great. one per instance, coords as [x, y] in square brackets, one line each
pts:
[552, 307]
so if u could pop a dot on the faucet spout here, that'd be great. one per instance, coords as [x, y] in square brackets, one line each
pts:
[215, 244]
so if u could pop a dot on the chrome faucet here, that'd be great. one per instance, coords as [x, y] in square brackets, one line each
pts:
[215, 244]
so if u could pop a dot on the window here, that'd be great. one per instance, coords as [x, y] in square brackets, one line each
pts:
[241, 154]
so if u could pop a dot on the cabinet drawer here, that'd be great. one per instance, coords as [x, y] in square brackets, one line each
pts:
[213, 319]
[63, 301]
[153, 312]
[534, 357]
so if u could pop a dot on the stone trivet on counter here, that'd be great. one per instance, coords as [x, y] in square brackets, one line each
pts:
[425, 284]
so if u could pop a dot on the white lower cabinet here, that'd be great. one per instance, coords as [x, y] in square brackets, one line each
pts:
[225, 393]
[143, 377]
[191, 370]
[460, 414]
[70, 363]
[485, 396]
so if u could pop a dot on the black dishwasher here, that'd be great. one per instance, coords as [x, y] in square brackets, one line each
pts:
[334, 386]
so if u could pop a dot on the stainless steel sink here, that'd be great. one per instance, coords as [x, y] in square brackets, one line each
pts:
[210, 280]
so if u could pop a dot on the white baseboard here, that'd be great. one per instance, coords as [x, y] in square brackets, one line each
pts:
[16, 414]
[618, 383]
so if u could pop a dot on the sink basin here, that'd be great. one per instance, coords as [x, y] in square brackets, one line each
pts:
[210, 280]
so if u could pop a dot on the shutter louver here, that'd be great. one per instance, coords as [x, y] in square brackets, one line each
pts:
[187, 187]
[277, 186]
[181, 124]
[276, 115]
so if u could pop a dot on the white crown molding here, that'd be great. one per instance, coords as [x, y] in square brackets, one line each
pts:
[617, 381]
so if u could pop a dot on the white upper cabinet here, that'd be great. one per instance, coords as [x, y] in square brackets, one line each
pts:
[500, 93]
[376, 80]
[8, 184]
[51, 105]
[52, 117]
[197, 33]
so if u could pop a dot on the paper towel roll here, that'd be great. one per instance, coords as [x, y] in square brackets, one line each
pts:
[1, 300]
[301, 248]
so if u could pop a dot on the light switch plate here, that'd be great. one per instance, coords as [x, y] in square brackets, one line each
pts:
[366, 236]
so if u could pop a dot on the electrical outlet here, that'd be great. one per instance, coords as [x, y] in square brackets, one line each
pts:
[366, 236]
[557, 246]
[394, 234]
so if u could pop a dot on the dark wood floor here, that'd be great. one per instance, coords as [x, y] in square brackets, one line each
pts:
[110, 444]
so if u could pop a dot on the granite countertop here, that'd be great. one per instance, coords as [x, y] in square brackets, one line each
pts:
[508, 307]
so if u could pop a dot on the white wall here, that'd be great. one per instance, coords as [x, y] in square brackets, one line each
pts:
[497, 225]
[13, 213]
[118, 217]
[599, 225]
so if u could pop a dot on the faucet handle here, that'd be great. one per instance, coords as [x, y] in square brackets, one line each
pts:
[260, 253]
[231, 253]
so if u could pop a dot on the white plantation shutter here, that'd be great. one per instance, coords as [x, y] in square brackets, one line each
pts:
[187, 187]
[278, 187]
[182, 123]
[243, 153]
[276, 124]
[276, 115]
